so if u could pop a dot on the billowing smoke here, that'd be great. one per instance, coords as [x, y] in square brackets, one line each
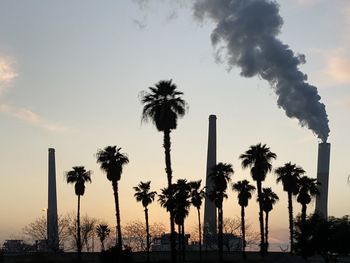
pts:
[247, 29]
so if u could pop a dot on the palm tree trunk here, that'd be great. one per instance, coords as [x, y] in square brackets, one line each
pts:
[200, 234]
[290, 212]
[220, 241]
[303, 215]
[179, 240]
[167, 147]
[78, 230]
[147, 233]
[261, 220]
[244, 255]
[303, 234]
[266, 232]
[119, 239]
[183, 242]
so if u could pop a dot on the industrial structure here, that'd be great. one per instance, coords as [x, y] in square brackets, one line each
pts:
[52, 224]
[209, 208]
[324, 149]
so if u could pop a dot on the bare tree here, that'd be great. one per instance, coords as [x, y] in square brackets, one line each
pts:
[37, 230]
[233, 226]
[87, 225]
[134, 234]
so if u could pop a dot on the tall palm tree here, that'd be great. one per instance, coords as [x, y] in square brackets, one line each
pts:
[289, 175]
[111, 161]
[103, 231]
[197, 196]
[146, 197]
[258, 158]
[220, 176]
[78, 176]
[162, 105]
[269, 198]
[307, 191]
[244, 190]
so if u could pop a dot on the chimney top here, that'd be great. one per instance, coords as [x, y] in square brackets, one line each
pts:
[212, 117]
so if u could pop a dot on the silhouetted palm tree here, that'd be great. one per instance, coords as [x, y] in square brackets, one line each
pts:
[78, 176]
[269, 198]
[244, 190]
[182, 205]
[259, 158]
[111, 161]
[143, 195]
[197, 195]
[307, 190]
[162, 105]
[102, 231]
[220, 175]
[289, 175]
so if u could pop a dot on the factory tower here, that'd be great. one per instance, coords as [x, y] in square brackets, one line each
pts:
[324, 150]
[209, 208]
[52, 224]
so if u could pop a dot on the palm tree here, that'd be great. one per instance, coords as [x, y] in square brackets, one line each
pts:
[197, 195]
[143, 195]
[220, 175]
[269, 198]
[259, 158]
[289, 175]
[245, 190]
[182, 190]
[162, 105]
[78, 176]
[103, 231]
[111, 161]
[307, 190]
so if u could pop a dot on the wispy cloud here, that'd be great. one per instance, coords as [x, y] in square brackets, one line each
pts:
[7, 76]
[31, 117]
[308, 2]
[338, 65]
[343, 103]
[7, 73]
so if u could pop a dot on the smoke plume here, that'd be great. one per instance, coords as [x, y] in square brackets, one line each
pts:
[248, 30]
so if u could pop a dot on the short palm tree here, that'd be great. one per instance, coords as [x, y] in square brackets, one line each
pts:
[111, 161]
[220, 176]
[103, 231]
[258, 158]
[289, 175]
[269, 198]
[182, 206]
[78, 176]
[162, 105]
[244, 190]
[146, 197]
[307, 191]
[197, 196]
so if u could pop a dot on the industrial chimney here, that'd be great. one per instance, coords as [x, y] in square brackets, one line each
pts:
[209, 208]
[52, 224]
[324, 149]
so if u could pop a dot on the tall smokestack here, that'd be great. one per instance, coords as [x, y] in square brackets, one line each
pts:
[52, 224]
[324, 149]
[209, 208]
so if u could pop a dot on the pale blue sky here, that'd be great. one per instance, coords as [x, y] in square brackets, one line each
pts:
[70, 75]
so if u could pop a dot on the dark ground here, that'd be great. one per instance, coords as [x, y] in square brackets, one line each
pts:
[209, 257]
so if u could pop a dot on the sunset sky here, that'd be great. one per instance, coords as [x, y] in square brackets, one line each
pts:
[70, 77]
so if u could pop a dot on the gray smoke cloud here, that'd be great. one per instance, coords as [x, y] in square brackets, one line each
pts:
[248, 30]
